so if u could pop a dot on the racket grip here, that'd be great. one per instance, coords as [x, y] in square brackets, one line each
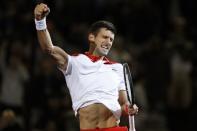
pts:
[131, 123]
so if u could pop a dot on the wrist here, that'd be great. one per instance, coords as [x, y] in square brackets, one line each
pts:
[125, 109]
[41, 24]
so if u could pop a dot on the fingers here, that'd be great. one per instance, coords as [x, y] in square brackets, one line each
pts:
[41, 11]
[133, 109]
[130, 109]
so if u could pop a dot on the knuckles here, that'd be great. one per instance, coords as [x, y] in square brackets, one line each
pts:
[41, 10]
[132, 109]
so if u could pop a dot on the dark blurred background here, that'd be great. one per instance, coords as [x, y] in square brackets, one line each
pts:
[156, 37]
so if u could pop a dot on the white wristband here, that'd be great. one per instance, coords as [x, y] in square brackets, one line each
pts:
[41, 24]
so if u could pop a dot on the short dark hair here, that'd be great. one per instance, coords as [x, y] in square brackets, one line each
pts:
[95, 27]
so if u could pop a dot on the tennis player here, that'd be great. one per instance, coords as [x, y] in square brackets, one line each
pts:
[96, 84]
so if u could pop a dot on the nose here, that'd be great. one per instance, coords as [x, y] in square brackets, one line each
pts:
[109, 41]
[108, 44]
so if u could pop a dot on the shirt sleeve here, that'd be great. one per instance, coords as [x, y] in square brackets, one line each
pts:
[68, 69]
[119, 70]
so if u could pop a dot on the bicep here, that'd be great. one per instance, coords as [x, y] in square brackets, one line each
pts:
[60, 57]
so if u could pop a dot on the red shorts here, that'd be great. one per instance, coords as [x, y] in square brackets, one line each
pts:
[108, 129]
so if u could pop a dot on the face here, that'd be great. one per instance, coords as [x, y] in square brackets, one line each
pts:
[102, 41]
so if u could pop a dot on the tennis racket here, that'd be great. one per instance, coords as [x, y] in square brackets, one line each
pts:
[130, 93]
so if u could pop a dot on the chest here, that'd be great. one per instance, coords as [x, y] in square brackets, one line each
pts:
[99, 73]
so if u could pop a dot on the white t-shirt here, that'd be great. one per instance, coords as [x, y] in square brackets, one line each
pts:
[92, 80]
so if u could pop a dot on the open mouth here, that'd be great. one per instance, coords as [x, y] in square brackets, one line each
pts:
[104, 47]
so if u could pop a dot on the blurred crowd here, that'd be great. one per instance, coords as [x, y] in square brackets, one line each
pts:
[156, 37]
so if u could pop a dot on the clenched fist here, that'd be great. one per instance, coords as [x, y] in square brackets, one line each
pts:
[41, 11]
[130, 109]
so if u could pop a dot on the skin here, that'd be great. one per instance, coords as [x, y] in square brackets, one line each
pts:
[95, 115]
[102, 42]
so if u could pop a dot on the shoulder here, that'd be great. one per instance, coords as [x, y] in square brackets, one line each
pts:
[75, 54]
[80, 59]
[110, 62]
[118, 66]
[115, 65]
[78, 55]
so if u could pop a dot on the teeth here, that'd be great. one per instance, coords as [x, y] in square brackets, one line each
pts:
[104, 47]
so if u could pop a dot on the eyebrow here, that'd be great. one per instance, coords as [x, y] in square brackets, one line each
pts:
[106, 36]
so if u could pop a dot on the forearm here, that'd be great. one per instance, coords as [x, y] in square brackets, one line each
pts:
[126, 107]
[123, 101]
[45, 40]
[40, 12]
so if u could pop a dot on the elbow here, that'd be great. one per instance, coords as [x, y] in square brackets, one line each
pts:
[48, 50]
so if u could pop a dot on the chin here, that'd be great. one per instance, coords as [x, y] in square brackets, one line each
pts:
[104, 53]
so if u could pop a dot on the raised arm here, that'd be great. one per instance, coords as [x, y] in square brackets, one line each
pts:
[61, 57]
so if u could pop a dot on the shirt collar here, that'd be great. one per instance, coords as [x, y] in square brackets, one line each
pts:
[94, 58]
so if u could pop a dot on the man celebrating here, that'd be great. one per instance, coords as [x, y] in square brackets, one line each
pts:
[96, 84]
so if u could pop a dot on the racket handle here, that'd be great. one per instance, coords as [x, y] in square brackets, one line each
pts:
[131, 123]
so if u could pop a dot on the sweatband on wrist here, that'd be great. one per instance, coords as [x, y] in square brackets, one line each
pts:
[41, 24]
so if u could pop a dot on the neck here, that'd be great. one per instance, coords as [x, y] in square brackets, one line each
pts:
[97, 54]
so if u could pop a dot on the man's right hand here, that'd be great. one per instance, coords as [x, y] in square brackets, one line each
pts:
[41, 11]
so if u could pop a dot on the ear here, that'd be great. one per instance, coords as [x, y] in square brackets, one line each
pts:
[92, 45]
[91, 37]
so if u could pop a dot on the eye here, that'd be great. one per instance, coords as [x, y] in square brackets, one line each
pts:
[107, 37]
[111, 39]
